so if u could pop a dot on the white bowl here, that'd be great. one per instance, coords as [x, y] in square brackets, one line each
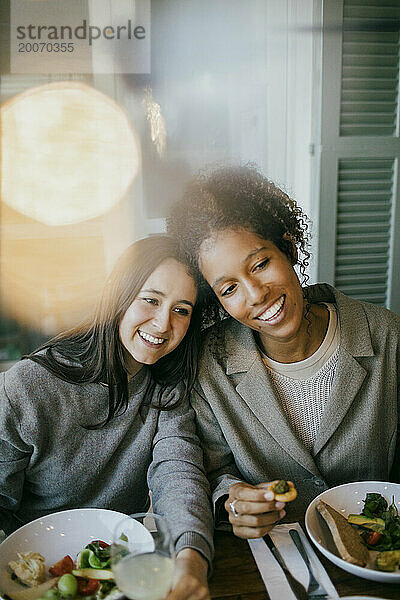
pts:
[56, 535]
[348, 498]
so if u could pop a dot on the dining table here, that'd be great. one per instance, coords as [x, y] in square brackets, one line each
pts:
[236, 577]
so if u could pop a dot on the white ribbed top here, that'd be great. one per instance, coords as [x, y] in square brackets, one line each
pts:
[303, 387]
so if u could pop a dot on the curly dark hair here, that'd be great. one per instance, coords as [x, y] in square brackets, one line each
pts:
[238, 197]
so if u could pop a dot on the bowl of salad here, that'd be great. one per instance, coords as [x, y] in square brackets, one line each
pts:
[64, 555]
[357, 527]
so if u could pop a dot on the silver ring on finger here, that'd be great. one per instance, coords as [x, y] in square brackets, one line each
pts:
[232, 507]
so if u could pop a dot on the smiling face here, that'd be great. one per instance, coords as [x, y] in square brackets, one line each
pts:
[256, 284]
[159, 317]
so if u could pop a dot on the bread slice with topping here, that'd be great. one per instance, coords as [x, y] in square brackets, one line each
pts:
[346, 538]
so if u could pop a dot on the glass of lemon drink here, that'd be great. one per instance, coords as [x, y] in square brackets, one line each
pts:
[143, 557]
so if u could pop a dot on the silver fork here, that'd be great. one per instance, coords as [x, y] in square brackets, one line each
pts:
[315, 590]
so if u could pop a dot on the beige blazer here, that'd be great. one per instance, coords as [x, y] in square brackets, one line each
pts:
[246, 435]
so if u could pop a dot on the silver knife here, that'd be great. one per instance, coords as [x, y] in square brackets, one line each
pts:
[297, 588]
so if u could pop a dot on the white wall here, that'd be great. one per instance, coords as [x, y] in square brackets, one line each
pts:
[234, 82]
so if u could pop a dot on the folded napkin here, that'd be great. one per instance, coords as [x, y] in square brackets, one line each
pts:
[274, 578]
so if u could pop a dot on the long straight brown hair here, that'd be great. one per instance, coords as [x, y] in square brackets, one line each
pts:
[92, 352]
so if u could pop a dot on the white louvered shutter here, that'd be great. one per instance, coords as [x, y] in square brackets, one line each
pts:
[359, 201]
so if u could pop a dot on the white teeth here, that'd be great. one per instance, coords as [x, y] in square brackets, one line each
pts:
[150, 338]
[272, 310]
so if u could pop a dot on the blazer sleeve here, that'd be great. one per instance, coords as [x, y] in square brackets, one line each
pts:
[179, 486]
[218, 459]
[15, 455]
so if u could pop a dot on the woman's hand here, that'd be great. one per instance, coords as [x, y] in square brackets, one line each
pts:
[190, 577]
[256, 510]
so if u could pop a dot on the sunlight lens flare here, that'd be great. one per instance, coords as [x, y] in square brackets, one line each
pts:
[68, 153]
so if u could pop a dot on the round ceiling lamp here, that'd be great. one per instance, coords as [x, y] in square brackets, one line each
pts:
[68, 153]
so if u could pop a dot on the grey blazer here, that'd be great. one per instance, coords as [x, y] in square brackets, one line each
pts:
[246, 435]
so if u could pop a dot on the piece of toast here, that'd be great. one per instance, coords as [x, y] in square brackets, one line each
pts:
[346, 538]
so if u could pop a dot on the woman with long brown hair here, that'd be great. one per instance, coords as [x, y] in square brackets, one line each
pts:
[99, 414]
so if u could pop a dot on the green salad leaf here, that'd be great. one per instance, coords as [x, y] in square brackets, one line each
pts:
[375, 506]
[95, 557]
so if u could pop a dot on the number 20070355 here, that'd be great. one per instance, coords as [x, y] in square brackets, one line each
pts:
[46, 47]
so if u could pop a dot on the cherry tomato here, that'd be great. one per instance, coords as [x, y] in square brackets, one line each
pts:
[101, 543]
[372, 537]
[87, 587]
[63, 566]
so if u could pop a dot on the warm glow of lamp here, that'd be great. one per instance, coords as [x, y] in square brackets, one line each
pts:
[68, 153]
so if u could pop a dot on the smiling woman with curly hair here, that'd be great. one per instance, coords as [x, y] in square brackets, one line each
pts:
[235, 197]
[294, 382]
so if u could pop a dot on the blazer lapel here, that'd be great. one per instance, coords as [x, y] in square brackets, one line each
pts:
[257, 391]
[348, 380]
[355, 341]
